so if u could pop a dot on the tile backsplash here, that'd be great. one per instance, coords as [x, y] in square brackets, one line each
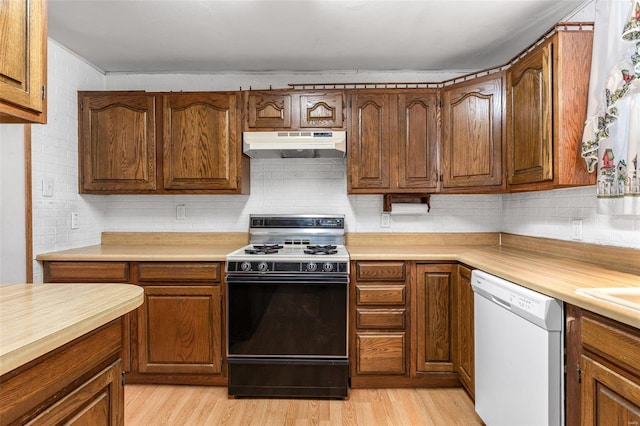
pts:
[291, 186]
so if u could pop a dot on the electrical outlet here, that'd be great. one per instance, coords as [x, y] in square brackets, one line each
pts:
[385, 219]
[74, 220]
[576, 229]
[181, 212]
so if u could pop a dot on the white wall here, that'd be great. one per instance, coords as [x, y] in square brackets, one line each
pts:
[12, 206]
[55, 157]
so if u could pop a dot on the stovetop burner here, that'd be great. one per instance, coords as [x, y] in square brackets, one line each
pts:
[321, 250]
[263, 249]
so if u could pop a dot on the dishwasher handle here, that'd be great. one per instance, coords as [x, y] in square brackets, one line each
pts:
[501, 302]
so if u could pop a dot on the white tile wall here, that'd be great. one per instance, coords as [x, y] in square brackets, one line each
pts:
[292, 186]
[55, 157]
[549, 214]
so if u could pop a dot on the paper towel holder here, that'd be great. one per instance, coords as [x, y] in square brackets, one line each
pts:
[405, 198]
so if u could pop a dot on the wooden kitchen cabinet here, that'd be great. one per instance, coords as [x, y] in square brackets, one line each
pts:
[79, 383]
[157, 143]
[294, 110]
[435, 318]
[117, 142]
[23, 64]
[603, 370]
[379, 332]
[393, 137]
[466, 353]
[201, 141]
[177, 335]
[179, 325]
[546, 107]
[472, 135]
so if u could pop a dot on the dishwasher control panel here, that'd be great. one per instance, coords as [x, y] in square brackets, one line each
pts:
[536, 307]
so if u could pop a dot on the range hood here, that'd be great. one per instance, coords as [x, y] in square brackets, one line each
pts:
[298, 144]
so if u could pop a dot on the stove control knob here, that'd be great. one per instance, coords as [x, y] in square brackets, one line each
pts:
[311, 267]
[245, 266]
[327, 267]
[263, 267]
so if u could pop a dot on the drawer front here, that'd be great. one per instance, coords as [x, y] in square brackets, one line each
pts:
[380, 353]
[616, 343]
[380, 294]
[179, 271]
[86, 272]
[380, 271]
[378, 319]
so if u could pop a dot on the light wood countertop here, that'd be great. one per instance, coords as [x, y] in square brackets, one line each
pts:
[37, 318]
[553, 267]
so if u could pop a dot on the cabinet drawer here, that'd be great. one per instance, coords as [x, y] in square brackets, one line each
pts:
[615, 342]
[380, 271]
[90, 272]
[179, 271]
[380, 318]
[380, 294]
[380, 353]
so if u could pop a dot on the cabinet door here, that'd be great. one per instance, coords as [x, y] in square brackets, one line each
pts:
[179, 330]
[201, 141]
[472, 133]
[435, 319]
[321, 110]
[529, 118]
[373, 124]
[466, 352]
[417, 142]
[98, 401]
[23, 62]
[269, 110]
[117, 142]
[608, 398]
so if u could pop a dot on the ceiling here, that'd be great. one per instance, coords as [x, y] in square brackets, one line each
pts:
[217, 36]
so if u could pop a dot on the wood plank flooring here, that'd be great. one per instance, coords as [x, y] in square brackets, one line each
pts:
[209, 405]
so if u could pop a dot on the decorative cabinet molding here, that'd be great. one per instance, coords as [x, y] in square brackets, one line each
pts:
[472, 134]
[294, 110]
[23, 64]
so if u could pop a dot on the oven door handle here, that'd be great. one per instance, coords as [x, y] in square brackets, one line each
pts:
[287, 279]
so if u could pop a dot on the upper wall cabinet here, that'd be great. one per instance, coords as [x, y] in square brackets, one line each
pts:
[23, 63]
[546, 109]
[472, 135]
[117, 142]
[197, 147]
[393, 138]
[201, 141]
[294, 110]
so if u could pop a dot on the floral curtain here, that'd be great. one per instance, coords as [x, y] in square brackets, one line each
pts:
[611, 138]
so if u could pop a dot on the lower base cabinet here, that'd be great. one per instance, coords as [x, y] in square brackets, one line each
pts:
[176, 336]
[603, 370]
[403, 319]
[80, 383]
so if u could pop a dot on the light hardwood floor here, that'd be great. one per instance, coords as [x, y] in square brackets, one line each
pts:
[207, 405]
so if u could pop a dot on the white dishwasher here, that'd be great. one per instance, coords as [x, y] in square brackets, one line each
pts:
[519, 350]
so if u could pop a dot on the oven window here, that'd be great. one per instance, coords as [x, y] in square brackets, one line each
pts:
[287, 319]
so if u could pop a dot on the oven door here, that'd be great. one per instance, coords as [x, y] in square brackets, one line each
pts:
[287, 316]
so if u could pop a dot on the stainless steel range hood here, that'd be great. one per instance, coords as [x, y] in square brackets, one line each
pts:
[299, 144]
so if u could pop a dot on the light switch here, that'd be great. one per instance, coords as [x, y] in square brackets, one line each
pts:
[74, 220]
[576, 229]
[47, 187]
[385, 219]
[181, 212]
